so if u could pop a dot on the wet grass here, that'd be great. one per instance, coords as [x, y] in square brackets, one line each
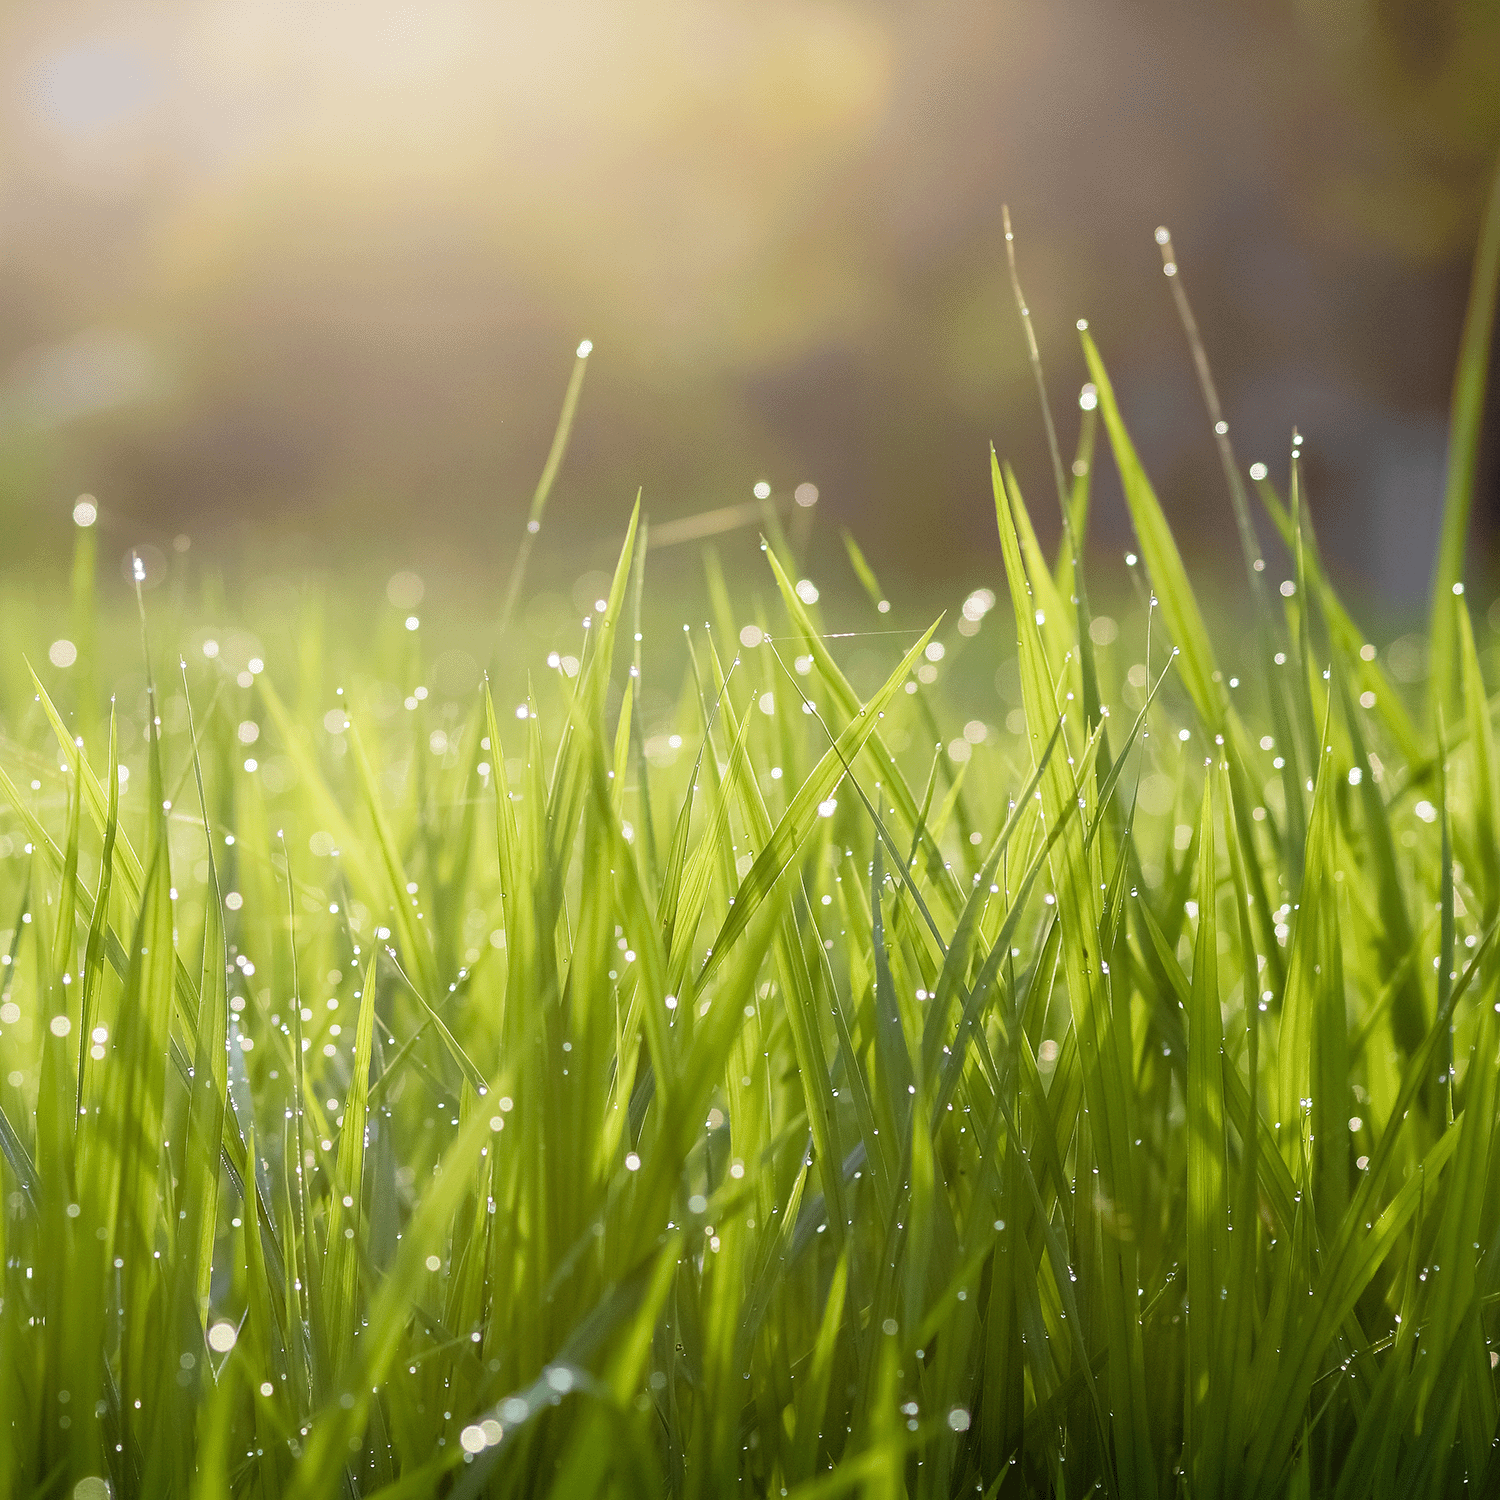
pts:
[405, 1093]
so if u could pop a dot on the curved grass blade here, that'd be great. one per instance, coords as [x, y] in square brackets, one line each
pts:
[1465, 425]
[803, 812]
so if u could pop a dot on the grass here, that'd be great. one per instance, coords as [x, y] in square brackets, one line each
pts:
[483, 1098]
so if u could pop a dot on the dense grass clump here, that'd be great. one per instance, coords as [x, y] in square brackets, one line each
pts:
[407, 1099]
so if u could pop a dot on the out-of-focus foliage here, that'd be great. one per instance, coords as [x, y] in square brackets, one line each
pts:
[322, 270]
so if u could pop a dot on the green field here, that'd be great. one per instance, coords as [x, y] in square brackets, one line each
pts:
[798, 1089]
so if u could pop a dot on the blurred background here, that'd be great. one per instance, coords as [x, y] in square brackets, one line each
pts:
[303, 281]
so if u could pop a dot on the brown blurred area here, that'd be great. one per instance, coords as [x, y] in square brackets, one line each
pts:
[316, 270]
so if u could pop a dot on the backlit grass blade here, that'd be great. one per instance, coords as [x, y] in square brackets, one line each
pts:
[1056, 624]
[847, 702]
[1073, 504]
[1179, 605]
[410, 934]
[54, 1108]
[472, 1076]
[699, 874]
[570, 777]
[1207, 1172]
[1484, 793]
[96, 796]
[803, 1020]
[544, 483]
[134, 1104]
[803, 812]
[1362, 661]
[1239, 1316]
[1313, 1047]
[1079, 495]
[865, 573]
[1454, 1250]
[17, 1154]
[1249, 543]
[208, 1096]
[92, 974]
[346, 1210]
[1465, 424]
[1397, 937]
[506, 833]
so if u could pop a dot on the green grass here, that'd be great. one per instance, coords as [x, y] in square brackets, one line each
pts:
[458, 1097]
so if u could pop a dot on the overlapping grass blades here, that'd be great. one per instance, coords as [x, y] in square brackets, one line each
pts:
[792, 1113]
